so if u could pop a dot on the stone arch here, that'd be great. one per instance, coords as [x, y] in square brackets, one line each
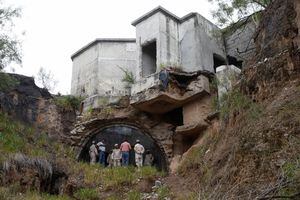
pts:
[133, 131]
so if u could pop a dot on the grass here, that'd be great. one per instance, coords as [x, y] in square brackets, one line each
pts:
[134, 195]
[86, 194]
[236, 102]
[68, 102]
[95, 175]
[163, 192]
[193, 160]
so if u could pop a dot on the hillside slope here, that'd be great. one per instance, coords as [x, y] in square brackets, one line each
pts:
[256, 154]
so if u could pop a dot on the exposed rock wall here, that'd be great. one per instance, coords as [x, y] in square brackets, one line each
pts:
[35, 106]
[277, 55]
[240, 42]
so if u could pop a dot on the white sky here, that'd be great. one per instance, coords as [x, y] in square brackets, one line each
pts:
[55, 29]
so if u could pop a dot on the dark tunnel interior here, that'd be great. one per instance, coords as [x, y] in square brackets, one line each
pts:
[115, 134]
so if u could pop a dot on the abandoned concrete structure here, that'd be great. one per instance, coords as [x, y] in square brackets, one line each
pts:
[169, 120]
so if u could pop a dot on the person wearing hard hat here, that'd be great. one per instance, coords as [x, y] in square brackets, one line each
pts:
[139, 151]
[93, 153]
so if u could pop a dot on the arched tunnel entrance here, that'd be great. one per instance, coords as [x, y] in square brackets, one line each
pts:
[115, 134]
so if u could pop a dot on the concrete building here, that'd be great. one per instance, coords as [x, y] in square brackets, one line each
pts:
[166, 99]
[190, 43]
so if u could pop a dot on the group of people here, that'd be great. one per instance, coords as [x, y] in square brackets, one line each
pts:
[119, 155]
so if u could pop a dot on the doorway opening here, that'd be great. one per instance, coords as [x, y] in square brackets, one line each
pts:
[149, 58]
[218, 61]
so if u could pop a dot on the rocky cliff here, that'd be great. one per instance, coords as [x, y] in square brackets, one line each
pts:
[35, 106]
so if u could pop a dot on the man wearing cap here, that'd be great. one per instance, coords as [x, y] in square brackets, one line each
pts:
[102, 150]
[139, 150]
[93, 153]
[116, 156]
[125, 148]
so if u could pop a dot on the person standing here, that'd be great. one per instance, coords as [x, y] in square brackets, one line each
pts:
[93, 153]
[125, 148]
[148, 158]
[116, 156]
[102, 149]
[139, 151]
[109, 159]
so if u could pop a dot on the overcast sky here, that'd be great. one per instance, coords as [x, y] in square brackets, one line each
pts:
[55, 29]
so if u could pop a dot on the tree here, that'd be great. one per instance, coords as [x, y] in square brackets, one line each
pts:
[46, 79]
[10, 48]
[230, 11]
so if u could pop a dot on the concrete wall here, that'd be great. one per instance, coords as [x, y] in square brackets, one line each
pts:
[84, 72]
[97, 69]
[240, 43]
[199, 40]
[163, 30]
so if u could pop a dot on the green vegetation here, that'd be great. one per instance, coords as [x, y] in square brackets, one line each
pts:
[9, 45]
[115, 177]
[163, 192]
[128, 76]
[7, 82]
[68, 102]
[193, 159]
[134, 195]
[235, 102]
[86, 194]
[230, 11]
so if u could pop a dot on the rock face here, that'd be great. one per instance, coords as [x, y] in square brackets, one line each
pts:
[35, 106]
[34, 173]
[277, 58]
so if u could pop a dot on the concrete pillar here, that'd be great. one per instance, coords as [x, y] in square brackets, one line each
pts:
[226, 75]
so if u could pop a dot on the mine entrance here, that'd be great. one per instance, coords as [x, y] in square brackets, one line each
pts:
[115, 134]
[218, 61]
[149, 58]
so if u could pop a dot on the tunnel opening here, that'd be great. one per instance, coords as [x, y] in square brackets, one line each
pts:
[149, 58]
[115, 134]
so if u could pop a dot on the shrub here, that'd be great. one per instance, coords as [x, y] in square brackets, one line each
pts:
[128, 76]
[68, 102]
[7, 82]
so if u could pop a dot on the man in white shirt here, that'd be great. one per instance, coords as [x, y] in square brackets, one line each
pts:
[139, 150]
